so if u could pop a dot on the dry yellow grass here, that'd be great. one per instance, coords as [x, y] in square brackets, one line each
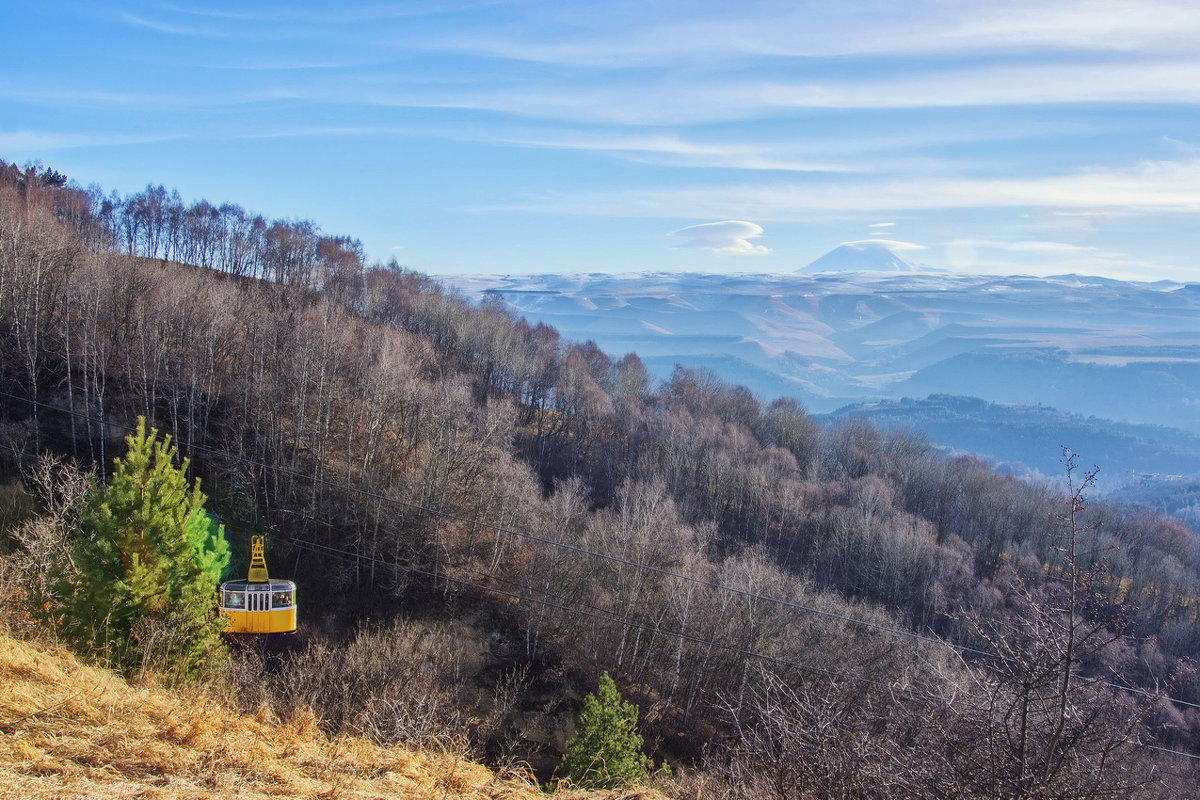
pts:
[72, 731]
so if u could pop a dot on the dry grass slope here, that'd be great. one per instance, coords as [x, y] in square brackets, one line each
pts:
[72, 731]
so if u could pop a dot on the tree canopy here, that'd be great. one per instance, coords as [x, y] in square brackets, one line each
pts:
[606, 750]
[147, 558]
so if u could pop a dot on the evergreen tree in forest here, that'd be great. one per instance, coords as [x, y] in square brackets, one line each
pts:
[147, 561]
[606, 750]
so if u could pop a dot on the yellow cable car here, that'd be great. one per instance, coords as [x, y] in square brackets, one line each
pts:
[258, 604]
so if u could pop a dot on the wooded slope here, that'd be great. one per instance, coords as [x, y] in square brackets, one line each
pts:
[409, 451]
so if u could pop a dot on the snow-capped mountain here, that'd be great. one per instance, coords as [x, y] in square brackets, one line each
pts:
[870, 255]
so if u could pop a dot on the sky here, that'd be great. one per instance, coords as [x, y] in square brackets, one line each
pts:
[514, 136]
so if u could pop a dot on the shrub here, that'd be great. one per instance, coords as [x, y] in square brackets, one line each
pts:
[606, 750]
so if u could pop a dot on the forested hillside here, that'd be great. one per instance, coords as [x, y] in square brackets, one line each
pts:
[798, 611]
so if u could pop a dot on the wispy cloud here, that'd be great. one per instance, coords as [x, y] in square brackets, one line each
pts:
[291, 65]
[1116, 25]
[172, 28]
[39, 141]
[1129, 81]
[158, 102]
[1052, 248]
[1059, 249]
[341, 13]
[263, 28]
[1042, 257]
[323, 131]
[1019, 117]
[661, 34]
[674, 150]
[1148, 187]
[669, 100]
[890, 244]
[728, 238]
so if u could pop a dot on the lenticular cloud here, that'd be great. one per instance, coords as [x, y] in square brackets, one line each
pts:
[729, 238]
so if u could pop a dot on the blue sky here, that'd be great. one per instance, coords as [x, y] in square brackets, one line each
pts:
[494, 136]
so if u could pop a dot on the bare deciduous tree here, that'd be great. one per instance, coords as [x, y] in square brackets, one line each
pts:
[1042, 726]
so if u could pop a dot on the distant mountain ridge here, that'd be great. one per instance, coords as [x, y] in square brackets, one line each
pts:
[1087, 345]
[1028, 439]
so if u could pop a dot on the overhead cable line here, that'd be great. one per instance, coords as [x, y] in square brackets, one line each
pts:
[584, 551]
[608, 616]
[599, 613]
[545, 540]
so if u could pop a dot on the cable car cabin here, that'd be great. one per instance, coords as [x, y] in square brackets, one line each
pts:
[258, 604]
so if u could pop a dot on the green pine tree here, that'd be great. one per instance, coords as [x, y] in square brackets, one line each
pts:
[606, 750]
[147, 561]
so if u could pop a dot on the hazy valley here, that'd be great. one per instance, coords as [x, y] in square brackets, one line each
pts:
[1068, 347]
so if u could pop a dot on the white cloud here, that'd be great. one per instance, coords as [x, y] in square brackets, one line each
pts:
[659, 34]
[672, 150]
[163, 27]
[889, 244]
[1166, 186]
[731, 237]
[1117, 25]
[1135, 80]
[966, 253]
[881, 225]
[37, 141]
[1072, 214]
[1059, 248]
[1147, 187]
[1047, 257]
[287, 65]
[1049, 248]
[666, 99]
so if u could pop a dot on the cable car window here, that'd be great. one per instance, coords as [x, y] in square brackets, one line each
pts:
[235, 600]
[281, 599]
